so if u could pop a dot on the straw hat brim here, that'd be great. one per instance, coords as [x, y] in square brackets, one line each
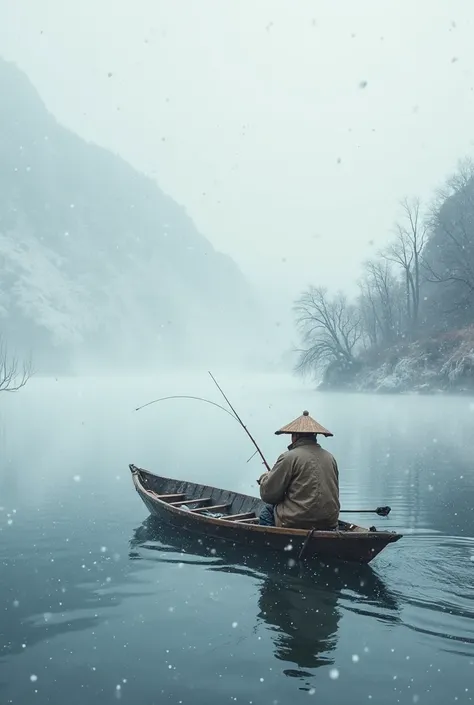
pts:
[304, 424]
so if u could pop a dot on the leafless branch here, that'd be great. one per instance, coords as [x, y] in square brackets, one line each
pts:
[13, 375]
[411, 236]
[330, 328]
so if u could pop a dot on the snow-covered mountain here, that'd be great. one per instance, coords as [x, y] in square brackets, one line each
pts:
[97, 264]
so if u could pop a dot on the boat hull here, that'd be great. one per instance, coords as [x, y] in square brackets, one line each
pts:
[355, 544]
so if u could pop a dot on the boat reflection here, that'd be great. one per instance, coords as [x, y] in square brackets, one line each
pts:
[301, 606]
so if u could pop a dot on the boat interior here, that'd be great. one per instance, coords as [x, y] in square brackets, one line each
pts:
[205, 506]
[210, 501]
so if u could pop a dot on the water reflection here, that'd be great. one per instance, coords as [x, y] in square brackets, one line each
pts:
[303, 622]
[301, 606]
[74, 591]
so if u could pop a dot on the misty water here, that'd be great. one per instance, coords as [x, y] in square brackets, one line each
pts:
[101, 604]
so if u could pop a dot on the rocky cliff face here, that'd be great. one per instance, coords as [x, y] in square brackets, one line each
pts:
[96, 262]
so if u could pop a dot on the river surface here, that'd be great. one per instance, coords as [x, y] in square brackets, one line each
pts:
[100, 604]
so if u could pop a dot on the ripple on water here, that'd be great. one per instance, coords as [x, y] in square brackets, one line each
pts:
[436, 589]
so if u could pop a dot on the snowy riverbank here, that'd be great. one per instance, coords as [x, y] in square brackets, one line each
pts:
[434, 365]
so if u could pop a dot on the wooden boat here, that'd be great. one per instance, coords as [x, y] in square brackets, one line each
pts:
[234, 517]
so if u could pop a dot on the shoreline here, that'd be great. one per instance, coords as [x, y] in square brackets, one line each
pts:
[325, 389]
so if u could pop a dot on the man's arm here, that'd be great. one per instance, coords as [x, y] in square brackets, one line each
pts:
[274, 484]
[336, 470]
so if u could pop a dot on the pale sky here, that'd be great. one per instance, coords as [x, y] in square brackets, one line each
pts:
[289, 130]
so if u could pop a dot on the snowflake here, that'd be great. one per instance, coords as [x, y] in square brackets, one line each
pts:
[33, 678]
[334, 674]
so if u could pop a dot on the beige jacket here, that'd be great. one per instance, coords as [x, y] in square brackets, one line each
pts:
[304, 486]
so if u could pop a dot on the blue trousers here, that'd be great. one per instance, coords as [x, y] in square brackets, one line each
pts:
[267, 515]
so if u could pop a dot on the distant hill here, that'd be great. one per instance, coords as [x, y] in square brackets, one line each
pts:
[97, 264]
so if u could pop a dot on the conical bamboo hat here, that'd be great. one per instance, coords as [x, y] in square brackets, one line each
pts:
[304, 424]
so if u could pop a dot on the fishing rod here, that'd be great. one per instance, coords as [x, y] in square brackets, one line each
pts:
[186, 396]
[241, 423]
[231, 413]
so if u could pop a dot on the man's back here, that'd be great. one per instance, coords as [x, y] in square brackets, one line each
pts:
[304, 486]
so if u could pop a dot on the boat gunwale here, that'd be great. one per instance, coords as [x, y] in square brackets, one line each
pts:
[388, 536]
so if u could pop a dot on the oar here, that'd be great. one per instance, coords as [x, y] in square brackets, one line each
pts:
[381, 511]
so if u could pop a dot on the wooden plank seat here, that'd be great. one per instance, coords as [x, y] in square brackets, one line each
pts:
[234, 517]
[214, 508]
[201, 500]
[166, 497]
[250, 520]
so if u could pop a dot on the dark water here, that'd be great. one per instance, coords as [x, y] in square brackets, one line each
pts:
[97, 605]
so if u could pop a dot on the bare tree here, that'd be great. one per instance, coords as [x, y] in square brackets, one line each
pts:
[451, 258]
[330, 328]
[379, 302]
[405, 251]
[13, 376]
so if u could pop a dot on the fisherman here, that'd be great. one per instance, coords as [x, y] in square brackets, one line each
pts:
[301, 491]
